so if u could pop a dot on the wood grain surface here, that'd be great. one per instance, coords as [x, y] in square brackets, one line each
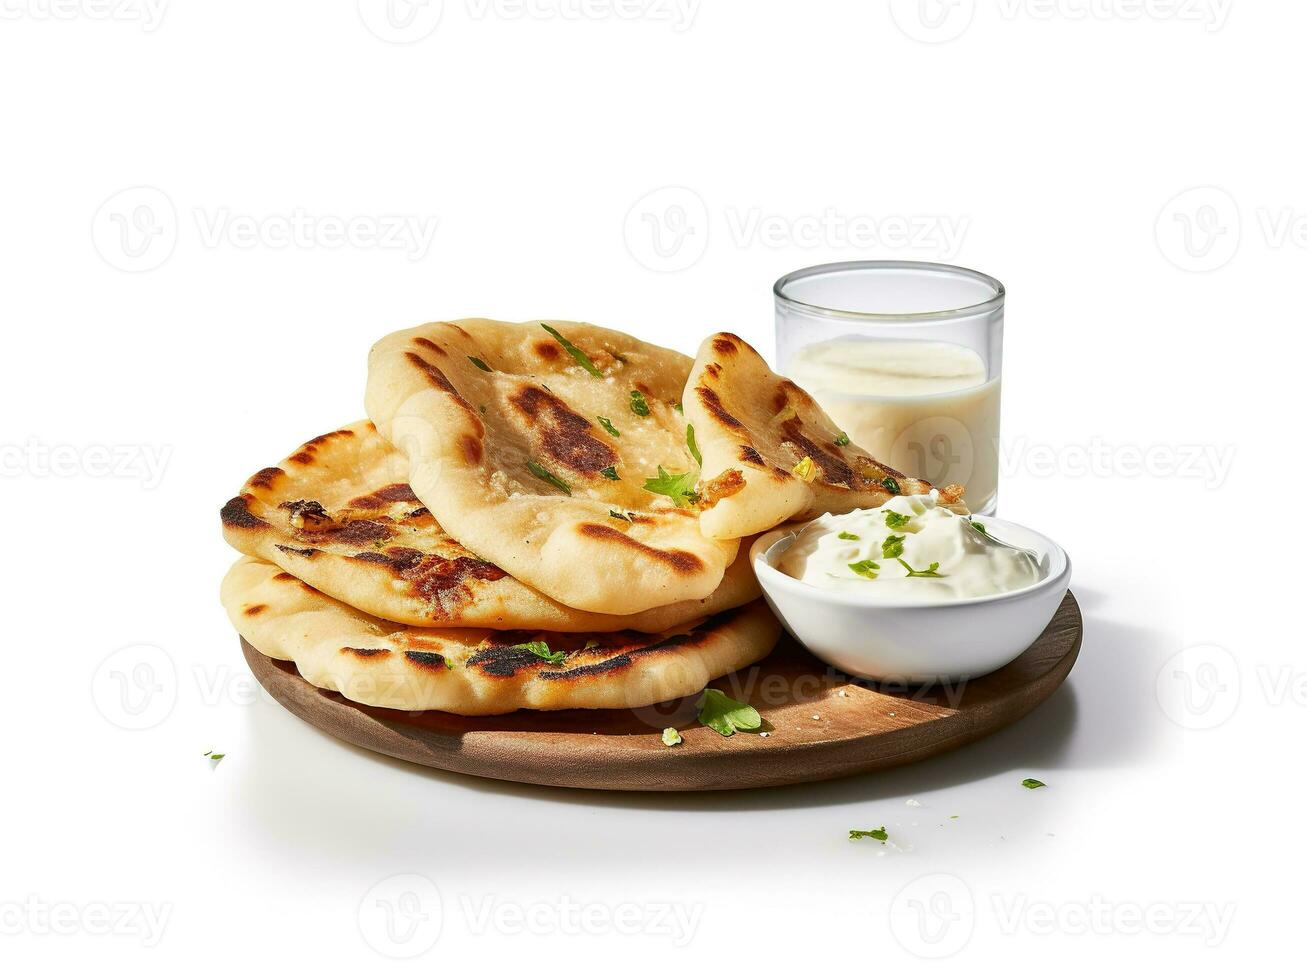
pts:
[819, 724]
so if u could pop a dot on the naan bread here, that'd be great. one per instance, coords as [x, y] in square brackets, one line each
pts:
[770, 454]
[482, 672]
[509, 430]
[338, 513]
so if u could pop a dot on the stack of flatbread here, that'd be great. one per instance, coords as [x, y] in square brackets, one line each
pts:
[537, 515]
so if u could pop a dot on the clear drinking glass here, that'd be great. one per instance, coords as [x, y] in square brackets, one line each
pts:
[907, 357]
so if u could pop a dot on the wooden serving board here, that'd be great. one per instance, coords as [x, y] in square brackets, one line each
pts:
[820, 724]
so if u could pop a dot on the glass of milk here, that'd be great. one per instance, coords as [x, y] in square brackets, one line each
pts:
[907, 358]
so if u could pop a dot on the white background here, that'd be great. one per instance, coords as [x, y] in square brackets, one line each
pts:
[151, 306]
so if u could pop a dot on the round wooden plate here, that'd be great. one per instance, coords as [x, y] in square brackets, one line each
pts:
[819, 724]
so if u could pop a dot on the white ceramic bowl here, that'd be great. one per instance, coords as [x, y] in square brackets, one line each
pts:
[887, 640]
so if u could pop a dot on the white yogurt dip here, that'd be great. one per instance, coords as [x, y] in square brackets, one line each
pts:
[911, 548]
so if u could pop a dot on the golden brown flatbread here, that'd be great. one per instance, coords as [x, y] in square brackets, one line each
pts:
[483, 672]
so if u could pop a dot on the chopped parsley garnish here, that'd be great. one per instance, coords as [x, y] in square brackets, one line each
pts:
[678, 486]
[693, 446]
[931, 572]
[540, 472]
[609, 473]
[896, 521]
[866, 568]
[848, 536]
[877, 834]
[479, 363]
[842, 439]
[892, 546]
[215, 756]
[638, 405]
[1030, 783]
[805, 469]
[679, 407]
[578, 355]
[541, 649]
[724, 715]
[619, 516]
[979, 527]
[671, 737]
[891, 484]
[608, 427]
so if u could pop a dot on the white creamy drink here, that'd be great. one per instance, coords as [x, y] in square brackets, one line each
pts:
[923, 407]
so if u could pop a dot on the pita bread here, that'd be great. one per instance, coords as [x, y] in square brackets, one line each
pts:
[339, 514]
[482, 672]
[770, 454]
[532, 443]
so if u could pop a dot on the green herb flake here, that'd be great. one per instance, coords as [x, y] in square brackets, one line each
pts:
[892, 485]
[848, 536]
[896, 521]
[609, 473]
[479, 363]
[842, 439]
[866, 568]
[892, 546]
[1030, 783]
[215, 757]
[578, 355]
[541, 649]
[671, 737]
[678, 486]
[693, 446]
[931, 572]
[979, 527]
[679, 407]
[609, 427]
[541, 473]
[638, 405]
[725, 715]
[618, 515]
[877, 834]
